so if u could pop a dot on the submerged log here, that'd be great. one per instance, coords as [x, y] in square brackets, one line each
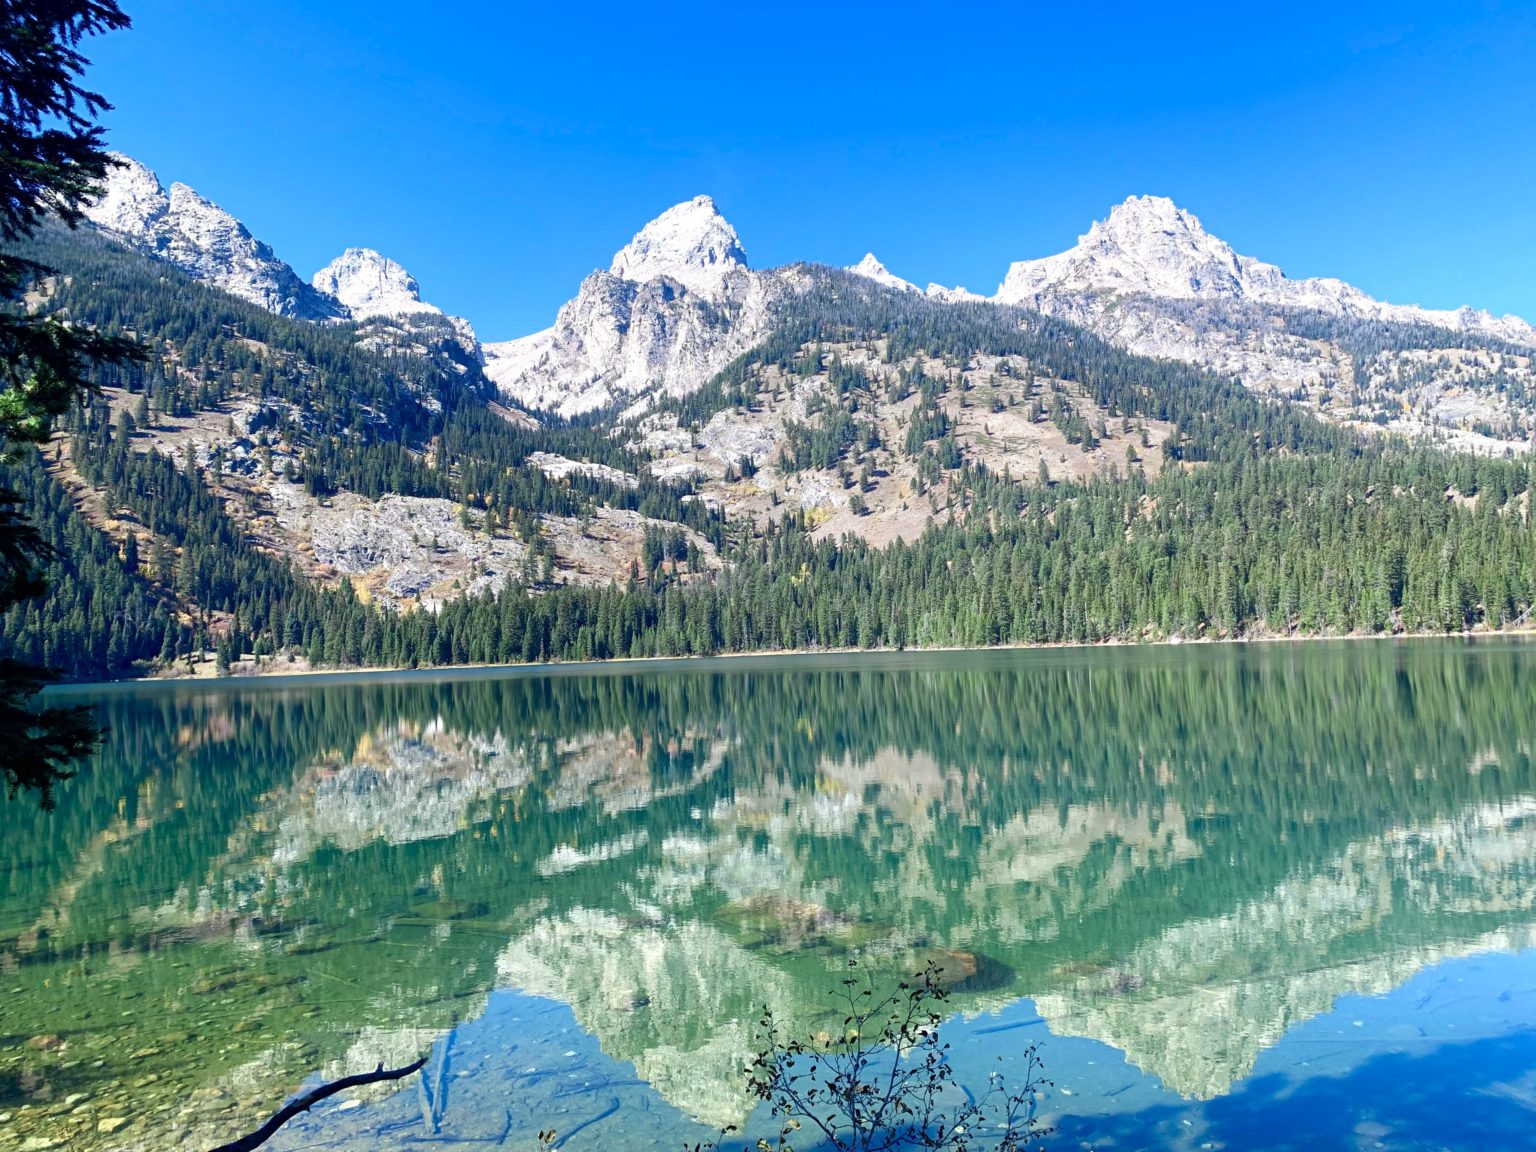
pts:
[307, 1101]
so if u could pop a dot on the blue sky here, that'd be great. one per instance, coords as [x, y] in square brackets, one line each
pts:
[503, 151]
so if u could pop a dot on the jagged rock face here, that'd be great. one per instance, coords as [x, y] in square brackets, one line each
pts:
[690, 243]
[191, 232]
[379, 291]
[1148, 245]
[872, 269]
[371, 284]
[959, 294]
[1151, 247]
[1197, 1004]
[132, 200]
[676, 1000]
[678, 303]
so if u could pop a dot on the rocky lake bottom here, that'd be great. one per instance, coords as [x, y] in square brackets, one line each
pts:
[1263, 897]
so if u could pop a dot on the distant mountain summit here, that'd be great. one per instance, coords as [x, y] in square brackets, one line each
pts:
[872, 269]
[1147, 245]
[680, 301]
[191, 232]
[1150, 246]
[385, 299]
[371, 284]
[677, 303]
[195, 234]
[690, 243]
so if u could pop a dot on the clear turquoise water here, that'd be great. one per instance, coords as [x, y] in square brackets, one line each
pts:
[1242, 896]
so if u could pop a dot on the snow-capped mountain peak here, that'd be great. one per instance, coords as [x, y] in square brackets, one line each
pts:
[690, 243]
[371, 284]
[1136, 218]
[871, 269]
[1147, 245]
[678, 302]
[1161, 246]
[132, 199]
[190, 231]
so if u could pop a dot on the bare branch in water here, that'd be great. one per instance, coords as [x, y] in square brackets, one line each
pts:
[307, 1101]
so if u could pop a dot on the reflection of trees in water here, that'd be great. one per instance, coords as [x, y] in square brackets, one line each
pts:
[1065, 818]
[1285, 751]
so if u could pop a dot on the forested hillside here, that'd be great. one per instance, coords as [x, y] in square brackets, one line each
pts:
[342, 494]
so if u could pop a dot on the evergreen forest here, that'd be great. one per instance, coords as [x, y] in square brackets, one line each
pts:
[1263, 520]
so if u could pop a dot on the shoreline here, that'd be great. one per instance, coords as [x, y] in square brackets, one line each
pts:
[316, 677]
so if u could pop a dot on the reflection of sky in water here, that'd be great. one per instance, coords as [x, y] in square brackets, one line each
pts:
[1446, 1060]
[1196, 876]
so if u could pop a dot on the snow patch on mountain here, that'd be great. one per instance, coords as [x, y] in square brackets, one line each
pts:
[197, 236]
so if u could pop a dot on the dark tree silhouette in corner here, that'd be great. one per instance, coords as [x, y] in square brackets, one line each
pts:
[52, 160]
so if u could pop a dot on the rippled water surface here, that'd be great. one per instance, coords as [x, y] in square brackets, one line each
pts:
[1242, 896]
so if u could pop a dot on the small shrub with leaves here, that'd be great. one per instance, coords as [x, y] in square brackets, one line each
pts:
[885, 1081]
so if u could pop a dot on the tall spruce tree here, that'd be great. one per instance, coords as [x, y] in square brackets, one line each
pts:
[51, 161]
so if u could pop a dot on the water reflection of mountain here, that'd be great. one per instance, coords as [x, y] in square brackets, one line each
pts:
[1180, 853]
[1196, 1004]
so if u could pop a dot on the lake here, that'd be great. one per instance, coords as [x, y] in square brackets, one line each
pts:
[1242, 896]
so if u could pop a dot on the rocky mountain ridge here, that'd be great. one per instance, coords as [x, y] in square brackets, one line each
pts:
[680, 301]
[1150, 246]
[187, 230]
[677, 304]
[1148, 278]
[371, 284]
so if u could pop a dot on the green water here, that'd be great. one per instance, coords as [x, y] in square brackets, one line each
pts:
[1177, 858]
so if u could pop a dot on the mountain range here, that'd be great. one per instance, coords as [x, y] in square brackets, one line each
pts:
[1146, 437]
[680, 301]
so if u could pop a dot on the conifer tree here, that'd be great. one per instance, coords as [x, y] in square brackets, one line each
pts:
[51, 161]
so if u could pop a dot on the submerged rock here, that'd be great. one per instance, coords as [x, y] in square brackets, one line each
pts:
[448, 910]
[962, 971]
[781, 922]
